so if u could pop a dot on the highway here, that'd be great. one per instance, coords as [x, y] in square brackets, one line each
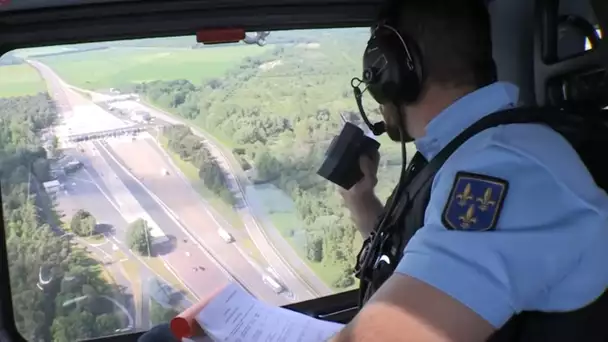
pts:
[292, 271]
[189, 211]
[304, 283]
[133, 204]
[75, 108]
[173, 205]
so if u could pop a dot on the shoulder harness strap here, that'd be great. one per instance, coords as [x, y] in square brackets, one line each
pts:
[569, 125]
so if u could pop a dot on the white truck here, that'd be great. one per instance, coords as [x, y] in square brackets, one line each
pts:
[227, 237]
[273, 283]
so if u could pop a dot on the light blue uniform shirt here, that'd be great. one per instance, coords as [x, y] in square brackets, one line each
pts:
[548, 249]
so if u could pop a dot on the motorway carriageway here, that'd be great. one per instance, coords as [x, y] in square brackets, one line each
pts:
[69, 101]
[286, 263]
[197, 281]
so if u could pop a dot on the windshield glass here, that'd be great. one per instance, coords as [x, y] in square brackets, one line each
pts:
[138, 176]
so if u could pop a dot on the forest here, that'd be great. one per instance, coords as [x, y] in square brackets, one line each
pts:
[35, 245]
[279, 111]
[189, 148]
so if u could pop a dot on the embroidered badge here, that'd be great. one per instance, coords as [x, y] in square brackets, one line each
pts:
[475, 202]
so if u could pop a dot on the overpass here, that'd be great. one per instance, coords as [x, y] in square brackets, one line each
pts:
[116, 132]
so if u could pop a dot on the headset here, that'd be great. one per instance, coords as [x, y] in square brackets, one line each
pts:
[393, 74]
[392, 69]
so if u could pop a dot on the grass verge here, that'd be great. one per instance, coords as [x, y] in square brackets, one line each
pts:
[94, 239]
[130, 269]
[106, 275]
[191, 173]
[252, 251]
[83, 93]
[328, 273]
[158, 266]
[119, 255]
[160, 314]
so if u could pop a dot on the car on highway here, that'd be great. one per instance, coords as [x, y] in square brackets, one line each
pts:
[227, 237]
[271, 281]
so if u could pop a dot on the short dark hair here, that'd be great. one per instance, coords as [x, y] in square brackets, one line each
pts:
[454, 37]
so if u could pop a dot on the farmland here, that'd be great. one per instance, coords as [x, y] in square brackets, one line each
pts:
[19, 80]
[115, 67]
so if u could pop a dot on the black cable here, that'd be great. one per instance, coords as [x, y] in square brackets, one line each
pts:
[377, 128]
[377, 237]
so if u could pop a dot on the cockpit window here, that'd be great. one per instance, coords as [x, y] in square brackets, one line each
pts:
[137, 176]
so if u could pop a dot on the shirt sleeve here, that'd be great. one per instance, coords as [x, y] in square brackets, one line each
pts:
[538, 237]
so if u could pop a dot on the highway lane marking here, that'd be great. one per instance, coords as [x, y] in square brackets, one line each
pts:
[80, 180]
[103, 192]
[71, 93]
[119, 211]
[172, 216]
[106, 256]
[113, 237]
[99, 244]
[246, 215]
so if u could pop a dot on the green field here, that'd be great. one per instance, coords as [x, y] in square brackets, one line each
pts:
[19, 80]
[115, 67]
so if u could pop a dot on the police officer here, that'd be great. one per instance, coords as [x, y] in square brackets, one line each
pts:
[514, 222]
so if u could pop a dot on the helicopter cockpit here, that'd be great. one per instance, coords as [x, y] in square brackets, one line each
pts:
[208, 92]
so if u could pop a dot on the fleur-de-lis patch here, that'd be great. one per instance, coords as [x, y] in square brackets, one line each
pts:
[475, 202]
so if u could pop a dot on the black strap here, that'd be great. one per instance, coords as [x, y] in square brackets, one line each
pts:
[581, 125]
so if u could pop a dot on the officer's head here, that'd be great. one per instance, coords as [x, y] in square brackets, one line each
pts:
[442, 51]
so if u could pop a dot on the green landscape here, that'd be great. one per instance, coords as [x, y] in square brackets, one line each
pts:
[115, 67]
[18, 80]
[34, 244]
[275, 108]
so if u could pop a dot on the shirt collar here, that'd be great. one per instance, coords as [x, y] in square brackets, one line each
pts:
[463, 113]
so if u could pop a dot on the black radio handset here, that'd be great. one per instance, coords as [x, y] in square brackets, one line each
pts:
[341, 165]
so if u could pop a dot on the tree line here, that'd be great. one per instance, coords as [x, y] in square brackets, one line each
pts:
[281, 109]
[37, 250]
[190, 148]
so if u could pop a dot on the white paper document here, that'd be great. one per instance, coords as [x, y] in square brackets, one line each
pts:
[236, 316]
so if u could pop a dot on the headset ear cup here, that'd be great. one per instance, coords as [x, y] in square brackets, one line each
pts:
[411, 71]
[418, 72]
[391, 80]
[394, 61]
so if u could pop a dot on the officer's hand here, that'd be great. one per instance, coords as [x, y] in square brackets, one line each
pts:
[364, 189]
[360, 199]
